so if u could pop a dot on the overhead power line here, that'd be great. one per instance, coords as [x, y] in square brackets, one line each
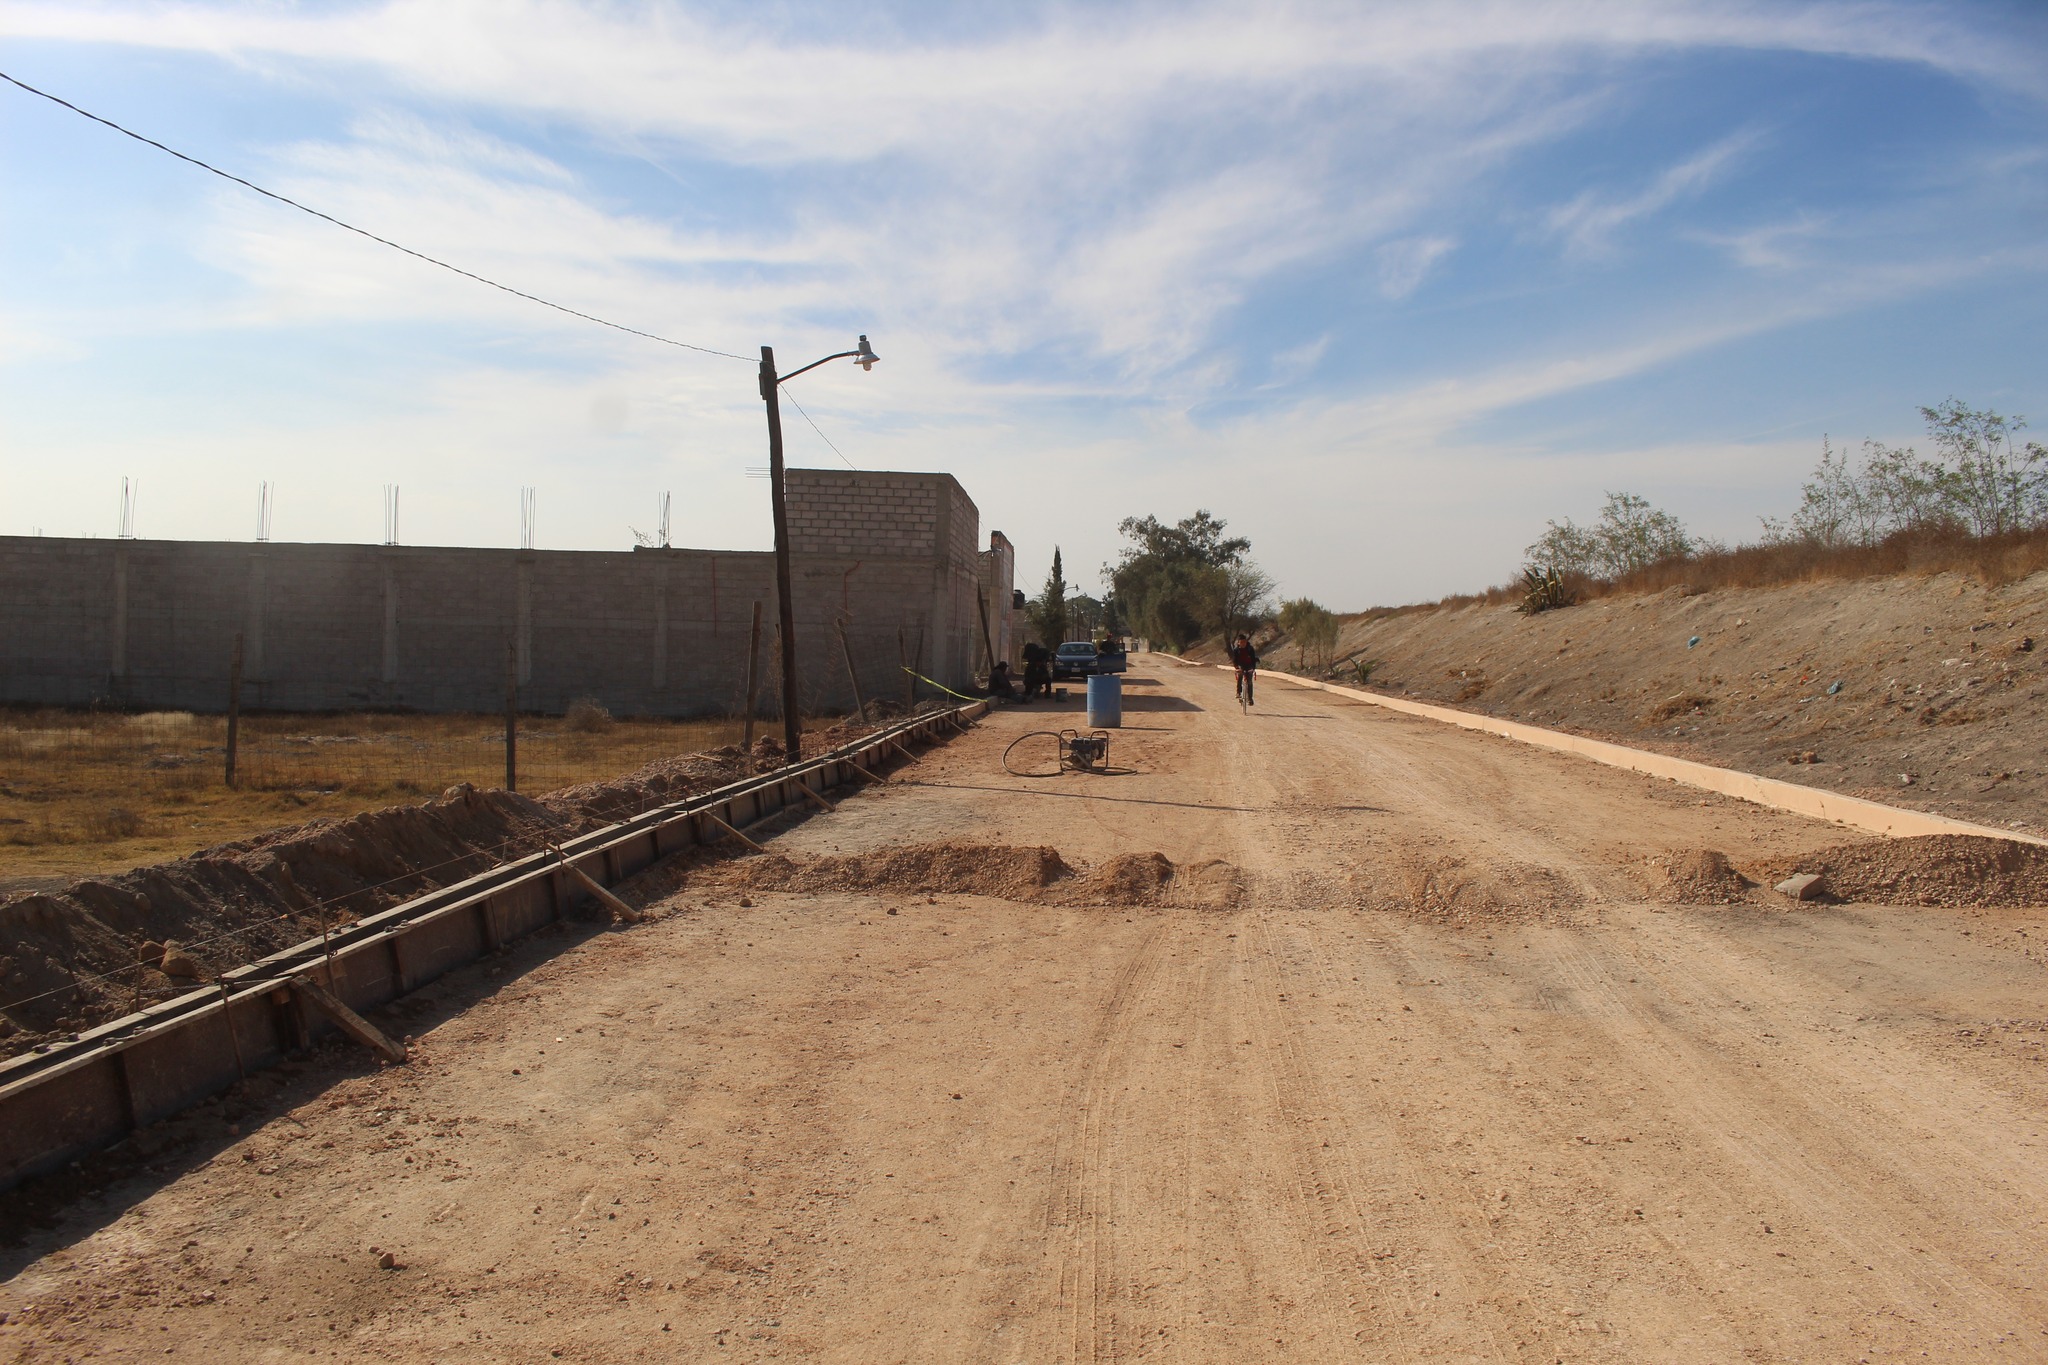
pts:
[382, 241]
[815, 427]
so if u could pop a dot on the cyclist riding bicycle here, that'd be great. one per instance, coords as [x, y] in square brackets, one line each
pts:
[1246, 660]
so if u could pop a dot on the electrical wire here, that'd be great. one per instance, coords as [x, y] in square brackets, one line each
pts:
[815, 427]
[382, 241]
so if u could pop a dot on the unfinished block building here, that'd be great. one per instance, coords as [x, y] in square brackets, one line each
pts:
[891, 560]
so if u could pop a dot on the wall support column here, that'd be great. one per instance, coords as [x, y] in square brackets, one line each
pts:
[523, 626]
[253, 665]
[117, 631]
[388, 669]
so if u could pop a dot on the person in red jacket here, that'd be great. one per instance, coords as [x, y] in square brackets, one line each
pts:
[1246, 660]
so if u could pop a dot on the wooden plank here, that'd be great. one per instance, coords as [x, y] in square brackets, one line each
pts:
[729, 829]
[351, 1023]
[597, 889]
[805, 788]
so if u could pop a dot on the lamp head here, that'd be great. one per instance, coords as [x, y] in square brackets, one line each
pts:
[864, 354]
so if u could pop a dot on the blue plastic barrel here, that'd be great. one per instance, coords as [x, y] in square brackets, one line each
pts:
[1105, 701]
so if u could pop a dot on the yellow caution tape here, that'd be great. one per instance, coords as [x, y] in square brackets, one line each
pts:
[941, 686]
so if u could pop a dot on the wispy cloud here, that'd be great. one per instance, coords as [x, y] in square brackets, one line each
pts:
[1406, 263]
[1589, 222]
[1772, 246]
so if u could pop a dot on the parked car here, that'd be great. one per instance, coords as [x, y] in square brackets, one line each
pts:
[1074, 659]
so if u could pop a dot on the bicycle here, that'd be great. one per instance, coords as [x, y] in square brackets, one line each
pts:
[1244, 688]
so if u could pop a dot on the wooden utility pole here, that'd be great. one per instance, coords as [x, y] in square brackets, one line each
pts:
[753, 680]
[234, 706]
[846, 652]
[512, 717]
[792, 721]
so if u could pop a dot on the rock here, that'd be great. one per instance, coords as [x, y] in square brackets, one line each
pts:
[1803, 886]
[142, 902]
[150, 953]
[176, 962]
[387, 1261]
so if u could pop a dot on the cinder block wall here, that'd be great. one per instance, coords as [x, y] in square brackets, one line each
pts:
[998, 580]
[651, 632]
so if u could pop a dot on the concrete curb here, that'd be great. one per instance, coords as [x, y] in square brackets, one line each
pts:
[1853, 811]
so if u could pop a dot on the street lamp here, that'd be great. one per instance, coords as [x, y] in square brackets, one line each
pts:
[864, 356]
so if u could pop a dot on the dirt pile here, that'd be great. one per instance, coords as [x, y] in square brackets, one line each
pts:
[1932, 870]
[1452, 889]
[73, 957]
[926, 869]
[1701, 876]
[1029, 874]
[70, 958]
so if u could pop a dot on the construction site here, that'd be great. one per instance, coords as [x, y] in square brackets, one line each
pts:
[809, 935]
[1341, 1026]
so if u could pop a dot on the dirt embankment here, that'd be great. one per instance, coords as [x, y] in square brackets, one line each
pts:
[94, 950]
[1923, 692]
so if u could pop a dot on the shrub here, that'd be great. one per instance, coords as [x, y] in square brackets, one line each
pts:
[587, 716]
[1313, 629]
[1630, 535]
[1544, 590]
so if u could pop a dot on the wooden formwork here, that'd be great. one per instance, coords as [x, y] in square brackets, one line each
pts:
[78, 1096]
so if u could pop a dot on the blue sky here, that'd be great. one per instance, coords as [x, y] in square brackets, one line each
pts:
[1386, 286]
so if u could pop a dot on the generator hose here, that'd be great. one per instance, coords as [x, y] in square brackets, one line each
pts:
[1059, 750]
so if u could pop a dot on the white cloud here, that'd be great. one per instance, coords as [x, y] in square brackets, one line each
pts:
[1589, 222]
[1772, 246]
[1406, 263]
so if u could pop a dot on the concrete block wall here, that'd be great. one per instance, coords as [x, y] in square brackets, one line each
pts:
[338, 627]
[998, 579]
[884, 518]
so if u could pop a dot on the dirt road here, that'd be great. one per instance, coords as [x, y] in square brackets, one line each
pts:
[1425, 1072]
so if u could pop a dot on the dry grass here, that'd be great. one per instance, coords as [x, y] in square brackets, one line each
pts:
[1994, 560]
[85, 792]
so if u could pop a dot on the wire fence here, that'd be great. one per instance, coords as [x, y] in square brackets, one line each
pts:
[71, 780]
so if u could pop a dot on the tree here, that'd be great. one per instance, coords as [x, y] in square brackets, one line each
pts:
[1176, 583]
[1048, 614]
[1981, 481]
[1836, 507]
[1567, 549]
[1634, 535]
[1906, 490]
[1990, 484]
[1243, 598]
[1313, 628]
[1631, 534]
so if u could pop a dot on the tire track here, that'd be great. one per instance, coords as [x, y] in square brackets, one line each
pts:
[1367, 1248]
[1084, 1184]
